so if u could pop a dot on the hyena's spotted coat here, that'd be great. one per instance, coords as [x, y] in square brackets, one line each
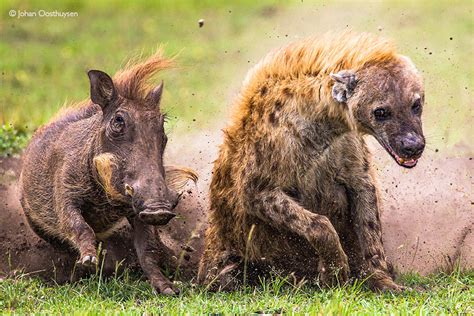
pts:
[293, 188]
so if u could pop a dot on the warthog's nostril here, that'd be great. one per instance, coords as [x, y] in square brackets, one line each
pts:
[128, 190]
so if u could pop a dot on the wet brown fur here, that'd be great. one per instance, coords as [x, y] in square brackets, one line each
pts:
[295, 166]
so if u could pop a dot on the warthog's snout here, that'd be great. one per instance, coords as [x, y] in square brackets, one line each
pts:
[157, 213]
[153, 211]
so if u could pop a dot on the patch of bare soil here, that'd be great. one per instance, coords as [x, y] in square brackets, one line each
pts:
[428, 211]
[428, 216]
[23, 252]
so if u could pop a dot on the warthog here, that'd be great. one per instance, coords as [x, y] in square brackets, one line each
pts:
[102, 162]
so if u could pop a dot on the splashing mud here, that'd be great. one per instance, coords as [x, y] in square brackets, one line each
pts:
[428, 217]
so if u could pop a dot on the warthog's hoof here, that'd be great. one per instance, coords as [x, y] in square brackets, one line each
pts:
[88, 261]
[156, 217]
[166, 288]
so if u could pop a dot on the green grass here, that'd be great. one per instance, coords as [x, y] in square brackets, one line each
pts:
[11, 140]
[43, 65]
[437, 294]
[43, 61]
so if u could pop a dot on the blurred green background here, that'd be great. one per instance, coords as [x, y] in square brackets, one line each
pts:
[44, 60]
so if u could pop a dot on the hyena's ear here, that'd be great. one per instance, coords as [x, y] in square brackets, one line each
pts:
[345, 82]
[103, 91]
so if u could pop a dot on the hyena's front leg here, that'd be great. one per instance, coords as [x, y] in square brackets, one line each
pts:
[151, 254]
[279, 210]
[368, 229]
[220, 271]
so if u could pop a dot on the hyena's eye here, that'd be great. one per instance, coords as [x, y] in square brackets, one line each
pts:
[381, 114]
[416, 107]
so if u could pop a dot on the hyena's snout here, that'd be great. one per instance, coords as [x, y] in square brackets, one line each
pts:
[411, 145]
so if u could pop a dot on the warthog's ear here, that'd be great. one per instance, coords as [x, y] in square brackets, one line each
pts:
[154, 96]
[345, 83]
[177, 177]
[103, 90]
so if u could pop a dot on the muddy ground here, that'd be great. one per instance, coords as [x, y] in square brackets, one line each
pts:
[427, 216]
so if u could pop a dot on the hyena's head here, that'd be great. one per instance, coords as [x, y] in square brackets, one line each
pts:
[386, 101]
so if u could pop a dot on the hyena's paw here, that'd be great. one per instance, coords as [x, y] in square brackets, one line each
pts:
[166, 288]
[225, 279]
[228, 278]
[334, 273]
[388, 285]
[88, 261]
[380, 281]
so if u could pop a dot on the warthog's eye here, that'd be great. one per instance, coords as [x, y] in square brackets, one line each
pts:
[118, 123]
[381, 114]
[416, 107]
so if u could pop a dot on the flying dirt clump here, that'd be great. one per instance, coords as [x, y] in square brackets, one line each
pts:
[102, 162]
[293, 188]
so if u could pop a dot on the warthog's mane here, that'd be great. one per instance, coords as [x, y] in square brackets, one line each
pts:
[134, 81]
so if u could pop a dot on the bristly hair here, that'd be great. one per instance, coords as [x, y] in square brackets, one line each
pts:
[325, 54]
[314, 58]
[134, 81]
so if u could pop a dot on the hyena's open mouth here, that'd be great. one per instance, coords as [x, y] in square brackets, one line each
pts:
[404, 162]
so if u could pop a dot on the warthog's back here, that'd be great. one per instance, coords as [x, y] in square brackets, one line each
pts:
[43, 161]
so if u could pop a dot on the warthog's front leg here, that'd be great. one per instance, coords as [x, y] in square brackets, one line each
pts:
[279, 210]
[151, 254]
[79, 234]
